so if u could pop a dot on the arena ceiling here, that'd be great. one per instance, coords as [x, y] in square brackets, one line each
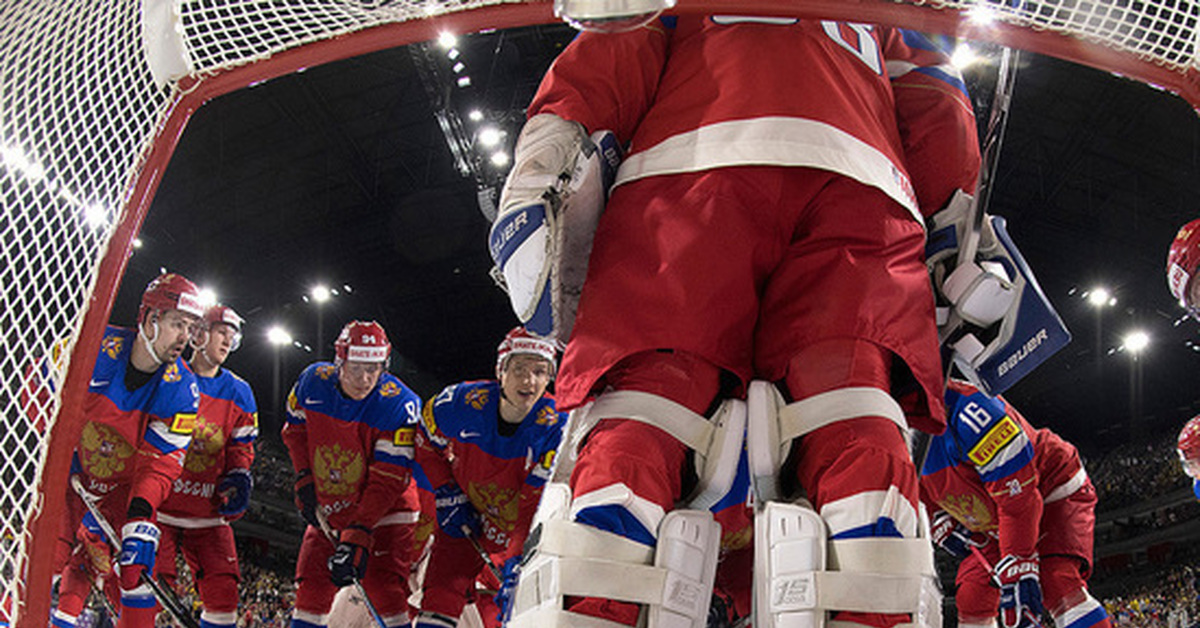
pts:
[367, 173]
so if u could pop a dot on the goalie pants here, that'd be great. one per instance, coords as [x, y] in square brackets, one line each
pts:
[386, 580]
[751, 267]
[792, 275]
[1065, 549]
[211, 555]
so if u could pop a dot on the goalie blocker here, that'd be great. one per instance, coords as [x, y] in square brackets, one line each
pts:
[999, 325]
[549, 210]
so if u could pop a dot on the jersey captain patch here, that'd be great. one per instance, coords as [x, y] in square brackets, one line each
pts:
[992, 442]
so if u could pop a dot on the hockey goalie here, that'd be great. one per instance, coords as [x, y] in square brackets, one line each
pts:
[758, 269]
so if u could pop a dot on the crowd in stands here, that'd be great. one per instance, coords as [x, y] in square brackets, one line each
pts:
[1136, 471]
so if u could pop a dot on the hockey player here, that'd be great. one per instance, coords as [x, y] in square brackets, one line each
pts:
[1015, 504]
[766, 223]
[1183, 258]
[349, 430]
[1188, 449]
[486, 447]
[141, 407]
[216, 483]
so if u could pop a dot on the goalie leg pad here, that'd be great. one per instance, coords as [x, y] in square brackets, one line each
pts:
[799, 577]
[566, 558]
[551, 203]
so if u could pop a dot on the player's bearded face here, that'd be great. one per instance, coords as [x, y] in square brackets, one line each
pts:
[174, 330]
[358, 379]
[524, 379]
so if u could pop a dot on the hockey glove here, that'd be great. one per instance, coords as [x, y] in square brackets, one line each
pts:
[306, 497]
[139, 546]
[234, 489]
[455, 514]
[349, 560]
[953, 536]
[508, 588]
[1020, 591]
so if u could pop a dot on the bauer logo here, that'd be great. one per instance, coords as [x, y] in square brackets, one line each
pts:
[509, 227]
[1021, 353]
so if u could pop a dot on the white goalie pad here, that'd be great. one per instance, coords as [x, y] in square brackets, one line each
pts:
[999, 325]
[551, 203]
[799, 577]
[565, 559]
[772, 425]
[716, 441]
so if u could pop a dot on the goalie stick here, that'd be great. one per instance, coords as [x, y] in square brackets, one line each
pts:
[164, 596]
[333, 538]
[1006, 77]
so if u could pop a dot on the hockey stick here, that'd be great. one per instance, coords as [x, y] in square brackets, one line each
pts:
[164, 597]
[329, 534]
[487, 560]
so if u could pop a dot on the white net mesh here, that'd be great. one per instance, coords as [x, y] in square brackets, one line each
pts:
[79, 109]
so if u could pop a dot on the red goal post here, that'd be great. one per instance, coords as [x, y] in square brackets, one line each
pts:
[86, 134]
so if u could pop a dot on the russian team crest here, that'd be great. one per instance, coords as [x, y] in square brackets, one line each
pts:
[337, 471]
[103, 452]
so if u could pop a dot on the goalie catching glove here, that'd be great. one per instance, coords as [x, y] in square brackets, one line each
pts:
[549, 209]
[994, 321]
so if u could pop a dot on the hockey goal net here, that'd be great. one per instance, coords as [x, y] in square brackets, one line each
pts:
[86, 132]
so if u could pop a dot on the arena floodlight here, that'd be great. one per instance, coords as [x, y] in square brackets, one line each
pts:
[1136, 341]
[1100, 297]
[278, 336]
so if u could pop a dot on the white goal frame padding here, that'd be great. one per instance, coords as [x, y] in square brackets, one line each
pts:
[86, 134]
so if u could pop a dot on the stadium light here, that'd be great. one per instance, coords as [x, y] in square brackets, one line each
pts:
[208, 297]
[490, 136]
[278, 336]
[1100, 297]
[320, 293]
[1136, 341]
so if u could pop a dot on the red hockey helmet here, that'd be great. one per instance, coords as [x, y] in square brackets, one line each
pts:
[171, 292]
[362, 342]
[1189, 447]
[1182, 260]
[224, 314]
[518, 340]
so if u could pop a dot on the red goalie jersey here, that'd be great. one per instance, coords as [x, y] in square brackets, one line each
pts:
[702, 93]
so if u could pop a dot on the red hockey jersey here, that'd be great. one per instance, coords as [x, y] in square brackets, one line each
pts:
[135, 438]
[992, 471]
[359, 452]
[882, 106]
[226, 427]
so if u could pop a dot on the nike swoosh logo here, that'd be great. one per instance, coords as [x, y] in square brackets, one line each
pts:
[95, 384]
[312, 402]
[383, 553]
[465, 434]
